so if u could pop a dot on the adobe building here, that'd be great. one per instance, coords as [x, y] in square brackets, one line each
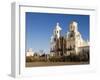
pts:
[29, 52]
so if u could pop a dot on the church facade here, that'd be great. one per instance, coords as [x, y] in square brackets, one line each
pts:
[71, 43]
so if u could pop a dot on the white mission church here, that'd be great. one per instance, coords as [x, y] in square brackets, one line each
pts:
[71, 43]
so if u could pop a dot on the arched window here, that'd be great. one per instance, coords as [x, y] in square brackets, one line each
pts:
[57, 31]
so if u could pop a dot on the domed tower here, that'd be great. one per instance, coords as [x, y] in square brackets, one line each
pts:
[57, 31]
[71, 44]
[55, 40]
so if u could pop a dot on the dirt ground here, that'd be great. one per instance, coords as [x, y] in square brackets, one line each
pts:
[40, 64]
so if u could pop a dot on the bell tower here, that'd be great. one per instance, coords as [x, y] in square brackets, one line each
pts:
[71, 38]
[57, 31]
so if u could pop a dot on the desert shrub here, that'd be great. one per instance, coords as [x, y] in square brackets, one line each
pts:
[56, 59]
[29, 59]
[84, 56]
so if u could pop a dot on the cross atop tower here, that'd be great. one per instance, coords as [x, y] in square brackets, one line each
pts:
[57, 24]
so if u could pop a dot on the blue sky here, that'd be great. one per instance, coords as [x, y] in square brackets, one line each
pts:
[39, 28]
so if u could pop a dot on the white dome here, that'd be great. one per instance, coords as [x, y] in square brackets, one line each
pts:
[73, 26]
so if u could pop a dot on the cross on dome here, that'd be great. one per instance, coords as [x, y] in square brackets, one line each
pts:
[57, 23]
